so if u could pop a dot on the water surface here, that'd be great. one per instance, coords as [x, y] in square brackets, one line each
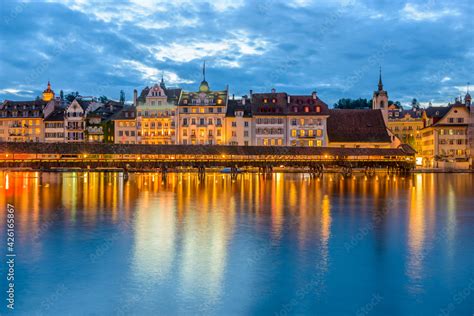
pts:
[99, 244]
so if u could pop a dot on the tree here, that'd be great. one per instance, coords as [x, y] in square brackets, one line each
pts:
[71, 96]
[415, 104]
[122, 97]
[353, 104]
[103, 99]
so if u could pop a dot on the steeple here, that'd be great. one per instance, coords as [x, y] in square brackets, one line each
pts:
[380, 79]
[204, 87]
[48, 94]
[467, 97]
[204, 71]
[162, 83]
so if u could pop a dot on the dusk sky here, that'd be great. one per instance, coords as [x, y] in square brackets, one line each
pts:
[425, 48]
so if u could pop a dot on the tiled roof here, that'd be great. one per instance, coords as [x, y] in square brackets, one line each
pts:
[307, 102]
[121, 114]
[236, 105]
[57, 115]
[269, 103]
[22, 105]
[363, 126]
[105, 148]
[437, 111]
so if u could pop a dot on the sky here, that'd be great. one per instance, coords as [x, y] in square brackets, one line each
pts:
[335, 47]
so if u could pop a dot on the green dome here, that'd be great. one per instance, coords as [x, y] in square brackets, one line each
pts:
[204, 87]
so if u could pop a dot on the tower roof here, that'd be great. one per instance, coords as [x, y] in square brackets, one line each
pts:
[380, 80]
[204, 86]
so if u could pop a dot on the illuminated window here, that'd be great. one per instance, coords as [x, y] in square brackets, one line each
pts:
[265, 100]
[201, 110]
[319, 143]
[311, 143]
[319, 132]
[293, 133]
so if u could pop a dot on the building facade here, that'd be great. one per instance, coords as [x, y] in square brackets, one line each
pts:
[445, 142]
[238, 123]
[157, 116]
[201, 116]
[125, 126]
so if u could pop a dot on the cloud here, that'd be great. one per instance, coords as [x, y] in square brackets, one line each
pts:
[151, 74]
[16, 92]
[100, 47]
[233, 46]
[418, 13]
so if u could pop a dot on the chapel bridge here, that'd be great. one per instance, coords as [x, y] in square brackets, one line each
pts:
[48, 156]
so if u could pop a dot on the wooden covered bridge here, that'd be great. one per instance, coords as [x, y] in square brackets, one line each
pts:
[45, 156]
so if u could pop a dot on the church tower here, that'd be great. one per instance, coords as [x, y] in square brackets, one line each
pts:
[380, 99]
[48, 94]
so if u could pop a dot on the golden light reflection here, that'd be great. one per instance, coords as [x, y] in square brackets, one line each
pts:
[416, 236]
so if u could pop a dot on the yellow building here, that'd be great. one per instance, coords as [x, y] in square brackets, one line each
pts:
[156, 116]
[238, 123]
[445, 143]
[125, 128]
[201, 116]
[22, 121]
[406, 125]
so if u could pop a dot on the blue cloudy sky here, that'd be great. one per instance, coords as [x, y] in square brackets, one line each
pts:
[426, 48]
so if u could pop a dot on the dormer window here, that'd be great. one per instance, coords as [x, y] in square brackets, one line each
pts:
[306, 109]
[265, 100]
[318, 109]
[274, 100]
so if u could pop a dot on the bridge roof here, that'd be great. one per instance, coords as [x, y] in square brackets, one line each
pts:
[94, 148]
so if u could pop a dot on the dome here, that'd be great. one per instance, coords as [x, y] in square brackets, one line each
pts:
[204, 87]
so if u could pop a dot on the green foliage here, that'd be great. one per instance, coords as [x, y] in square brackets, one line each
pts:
[71, 96]
[103, 99]
[353, 104]
[122, 97]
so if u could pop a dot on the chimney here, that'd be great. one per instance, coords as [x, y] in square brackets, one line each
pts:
[135, 94]
[243, 101]
[273, 90]
[233, 96]
[315, 95]
[250, 94]
[288, 99]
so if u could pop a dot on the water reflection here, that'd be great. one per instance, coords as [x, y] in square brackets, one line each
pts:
[189, 235]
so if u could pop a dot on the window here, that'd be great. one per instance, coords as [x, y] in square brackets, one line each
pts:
[246, 124]
[219, 110]
[234, 134]
[293, 133]
[246, 133]
[234, 124]
[460, 120]
[451, 120]
[185, 132]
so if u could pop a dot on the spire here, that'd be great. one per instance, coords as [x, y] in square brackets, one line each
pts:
[204, 87]
[162, 83]
[49, 85]
[380, 79]
[204, 71]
